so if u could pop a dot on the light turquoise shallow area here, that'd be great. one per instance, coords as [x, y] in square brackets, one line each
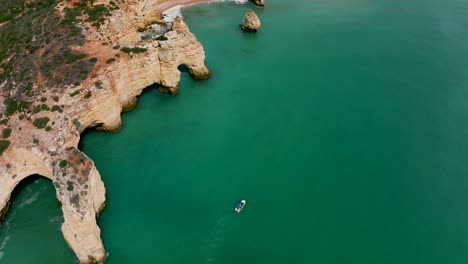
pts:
[344, 124]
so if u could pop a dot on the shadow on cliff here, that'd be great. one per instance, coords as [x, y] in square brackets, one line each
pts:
[90, 130]
[19, 188]
[183, 68]
[83, 134]
[24, 183]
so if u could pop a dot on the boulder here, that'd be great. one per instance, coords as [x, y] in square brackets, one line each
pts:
[259, 2]
[251, 22]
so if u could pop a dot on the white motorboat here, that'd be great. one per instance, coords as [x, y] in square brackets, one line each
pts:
[240, 206]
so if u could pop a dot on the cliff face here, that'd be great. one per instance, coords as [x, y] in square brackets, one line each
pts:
[40, 134]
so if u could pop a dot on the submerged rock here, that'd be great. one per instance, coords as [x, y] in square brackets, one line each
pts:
[259, 2]
[251, 22]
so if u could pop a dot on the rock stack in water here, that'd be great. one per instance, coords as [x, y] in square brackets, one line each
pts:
[251, 22]
[259, 2]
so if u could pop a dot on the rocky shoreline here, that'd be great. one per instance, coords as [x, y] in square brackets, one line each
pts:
[41, 124]
[42, 137]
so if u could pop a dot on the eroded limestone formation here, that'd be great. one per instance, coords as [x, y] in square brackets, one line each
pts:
[40, 133]
[251, 22]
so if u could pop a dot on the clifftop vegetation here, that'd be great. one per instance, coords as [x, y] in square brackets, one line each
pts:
[35, 48]
[35, 44]
[36, 56]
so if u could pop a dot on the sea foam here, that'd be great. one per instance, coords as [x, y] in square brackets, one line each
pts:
[2, 245]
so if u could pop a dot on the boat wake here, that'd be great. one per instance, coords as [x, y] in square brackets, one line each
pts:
[217, 236]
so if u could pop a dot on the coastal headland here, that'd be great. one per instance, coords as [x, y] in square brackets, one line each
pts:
[70, 65]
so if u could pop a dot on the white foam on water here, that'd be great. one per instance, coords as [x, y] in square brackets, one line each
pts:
[217, 237]
[2, 245]
[7, 224]
[30, 200]
[6, 228]
[55, 219]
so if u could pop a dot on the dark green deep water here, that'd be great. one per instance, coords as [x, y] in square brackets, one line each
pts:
[343, 123]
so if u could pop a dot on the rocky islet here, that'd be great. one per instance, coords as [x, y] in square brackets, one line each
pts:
[251, 22]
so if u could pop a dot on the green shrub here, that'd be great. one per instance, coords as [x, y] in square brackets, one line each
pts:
[4, 144]
[36, 109]
[70, 16]
[75, 200]
[48, 128]
[111, 60]
[71, 57]
[133, 50]
[77, 123]
[12, 105]
[45, 107]
[4, 18]
[69, 186]
[96, 12]
[74, 93]
[56, 108]
[63, 163]
[161, 38]
[88, 95]
[6, 133]
[41, 122]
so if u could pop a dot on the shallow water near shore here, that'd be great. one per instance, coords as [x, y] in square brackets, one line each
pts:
[343, 124]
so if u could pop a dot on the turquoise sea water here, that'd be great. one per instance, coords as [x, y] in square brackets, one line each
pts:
[343, 124]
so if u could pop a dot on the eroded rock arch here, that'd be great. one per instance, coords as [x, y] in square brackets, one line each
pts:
[82, 195]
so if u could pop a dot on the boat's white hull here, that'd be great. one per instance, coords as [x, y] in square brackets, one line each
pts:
[240, 206]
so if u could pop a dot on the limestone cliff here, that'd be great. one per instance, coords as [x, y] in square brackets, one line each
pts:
[41, 125]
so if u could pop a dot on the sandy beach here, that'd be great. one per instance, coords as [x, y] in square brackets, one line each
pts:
[170, 4]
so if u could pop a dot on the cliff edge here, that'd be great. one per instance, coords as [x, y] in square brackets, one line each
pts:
[69, 65]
